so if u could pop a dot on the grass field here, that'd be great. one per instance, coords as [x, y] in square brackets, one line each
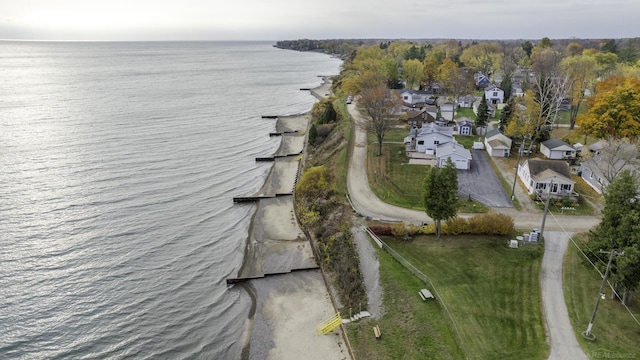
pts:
[616, 331]
[492, 292]
[411, 328]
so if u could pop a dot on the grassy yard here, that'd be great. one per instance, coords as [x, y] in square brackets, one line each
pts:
[465, 112]
[396, 182]
[492, 292]
[411, 328]
[616, 332]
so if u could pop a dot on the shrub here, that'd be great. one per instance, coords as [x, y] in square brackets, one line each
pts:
[457, 226]
[414, 230]
[398, 230]
[324, 131]
[428, 229]
[381, 230]
[491, 224]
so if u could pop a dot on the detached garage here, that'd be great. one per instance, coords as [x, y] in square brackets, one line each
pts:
[460, 156]
[497, 144]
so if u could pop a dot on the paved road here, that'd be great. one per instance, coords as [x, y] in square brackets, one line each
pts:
[564, 344]
[482, 183]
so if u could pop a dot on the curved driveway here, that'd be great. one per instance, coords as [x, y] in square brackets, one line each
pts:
[564, 344]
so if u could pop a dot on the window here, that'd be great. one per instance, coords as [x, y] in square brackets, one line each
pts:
[495, 93]
[420, 142]
[565, 187]
[541, 186]
[568, 153]
[436, 142]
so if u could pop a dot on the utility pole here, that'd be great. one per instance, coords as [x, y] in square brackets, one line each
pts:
[587, 334]
[515, 178]
[546, 209]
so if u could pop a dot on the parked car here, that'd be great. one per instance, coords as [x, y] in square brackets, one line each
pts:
[349, 99]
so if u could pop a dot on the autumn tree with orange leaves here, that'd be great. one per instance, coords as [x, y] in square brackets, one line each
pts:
[614, 110]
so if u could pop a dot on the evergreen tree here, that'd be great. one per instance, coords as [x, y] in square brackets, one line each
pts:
[609, 46]
[619, 230]
[441, 194]
[313, 134]
[507, 86]
[482, 118]
[527, 46]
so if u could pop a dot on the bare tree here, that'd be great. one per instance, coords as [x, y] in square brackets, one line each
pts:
[549, 89]
[379, 104]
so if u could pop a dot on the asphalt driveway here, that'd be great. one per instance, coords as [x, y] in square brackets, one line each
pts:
[482, 183]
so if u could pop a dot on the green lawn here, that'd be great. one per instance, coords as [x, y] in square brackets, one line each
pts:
[465, 112]
[616, 332]
[492, 292]
[396, 182]
[411, 328]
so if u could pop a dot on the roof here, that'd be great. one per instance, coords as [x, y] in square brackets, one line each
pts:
[598, 145]
[495, 134]
[491, 133]
[418, 92]
[464, 121]
[452, 148]
[541, 169]
[498, 144]
[555, 143]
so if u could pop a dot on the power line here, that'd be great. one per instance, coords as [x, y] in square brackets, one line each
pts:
[594, 266]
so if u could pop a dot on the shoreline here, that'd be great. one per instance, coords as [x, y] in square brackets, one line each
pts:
[287, 289]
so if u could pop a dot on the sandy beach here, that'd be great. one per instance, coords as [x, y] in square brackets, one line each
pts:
[290, 295]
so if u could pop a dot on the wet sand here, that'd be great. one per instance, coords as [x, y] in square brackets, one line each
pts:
[288, 306]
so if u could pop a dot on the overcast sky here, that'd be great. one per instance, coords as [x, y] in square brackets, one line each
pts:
[316, 19]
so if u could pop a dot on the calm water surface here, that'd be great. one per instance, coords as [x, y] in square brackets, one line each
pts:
[118, 165]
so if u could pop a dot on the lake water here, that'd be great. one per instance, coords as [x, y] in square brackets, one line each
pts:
[118, 165]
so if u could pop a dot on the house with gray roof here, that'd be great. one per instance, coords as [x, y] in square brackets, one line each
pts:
[547, 178]
[557, 149]
[607, 162]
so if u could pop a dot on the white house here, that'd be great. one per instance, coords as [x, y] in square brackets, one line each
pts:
[413, 97]
[497, 144]
[460, 156]
[547, 178]
[427, 143]
[426, 139]
[557, 149]
[494, 95]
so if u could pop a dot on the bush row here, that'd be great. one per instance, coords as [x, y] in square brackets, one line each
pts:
[481, 224]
